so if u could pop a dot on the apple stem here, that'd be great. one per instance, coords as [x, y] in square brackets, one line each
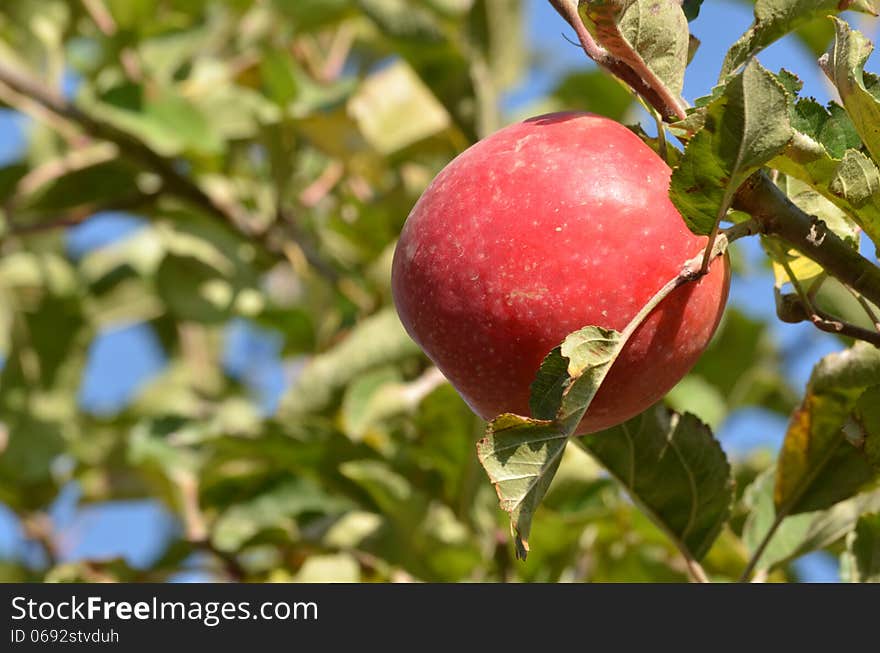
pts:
[691, 270]
[759, 551]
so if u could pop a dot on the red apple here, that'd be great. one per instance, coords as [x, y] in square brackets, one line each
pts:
[547, 226]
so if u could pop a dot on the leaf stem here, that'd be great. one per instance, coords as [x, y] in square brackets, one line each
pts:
[866, 306]
[690, 271]
[695, 569]
[824, 321]
[756, 556]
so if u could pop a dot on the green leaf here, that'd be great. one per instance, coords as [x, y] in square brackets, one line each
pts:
[818, 464]
[776, 18]
[502, 32]
[798, 534]
[867, 419]
[276, 508]
[98, 184]
[643, 33]
[329, 568]
[359, 405]
[672, 467]
[816, 35]
[694, 394]
[743, 128]
[184, 121]
[377, 396]
[10, 175]
[163, 118]
[691, 8]
[521, 454]
[376, 341]
[595, 91]
[860, 91]
[824, 153]
[30, 448]
[393, 494]
[309, 15]
[861, 562]
[279, 76]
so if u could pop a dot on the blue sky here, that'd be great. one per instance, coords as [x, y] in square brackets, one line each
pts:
[127, 355]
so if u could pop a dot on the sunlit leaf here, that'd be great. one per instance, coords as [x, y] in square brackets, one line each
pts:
[376, 341]
[521, 454]
[276, 508]
[643, 33]
[743, 128]
[776, 18]
[859, 91]
[861, 562]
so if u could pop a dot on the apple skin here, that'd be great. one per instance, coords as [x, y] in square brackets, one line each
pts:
[547, 226]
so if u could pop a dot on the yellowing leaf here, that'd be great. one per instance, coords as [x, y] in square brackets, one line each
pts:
[394, 109]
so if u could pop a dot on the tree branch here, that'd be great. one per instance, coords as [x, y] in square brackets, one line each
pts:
[173, 182]
[130, 147]
[80, 214]
[779, 216]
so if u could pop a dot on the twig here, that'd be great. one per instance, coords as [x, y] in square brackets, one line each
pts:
[196, 528]
[866, 306]
[827, 322]
[25, 105]
[75, 159]
[312, 194]
[38, 528]
[102, 17]
[742, 230]
[340, 48]
[80, 214]
[696, 571]
[824, 321]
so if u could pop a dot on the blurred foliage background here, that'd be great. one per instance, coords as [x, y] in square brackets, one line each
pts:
[198, 206]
